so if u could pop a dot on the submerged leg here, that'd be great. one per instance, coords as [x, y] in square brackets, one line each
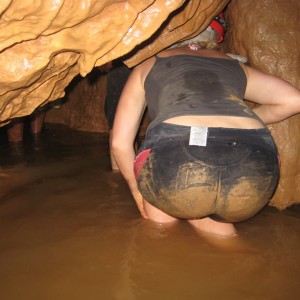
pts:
[210, 226]
[156, 215]
[15, 130]
[37, 121]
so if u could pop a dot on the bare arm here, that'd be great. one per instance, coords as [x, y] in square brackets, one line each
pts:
[278, 99]
[127, 120]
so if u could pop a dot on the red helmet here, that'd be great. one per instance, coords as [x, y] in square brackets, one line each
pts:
[219, 25]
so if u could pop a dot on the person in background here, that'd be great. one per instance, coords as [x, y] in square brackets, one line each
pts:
[207, 157]
[15, 129]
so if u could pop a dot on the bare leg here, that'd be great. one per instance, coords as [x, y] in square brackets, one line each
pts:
[156, 215]
[37, 122]
[15, 130]
[210, 226]
[113, 162]
[221, 235]
[203, 225]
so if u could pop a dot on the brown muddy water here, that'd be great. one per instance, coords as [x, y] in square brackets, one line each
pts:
[70, 230]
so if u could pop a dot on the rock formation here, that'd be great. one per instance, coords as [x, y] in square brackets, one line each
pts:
[267, 33]
[46, 44]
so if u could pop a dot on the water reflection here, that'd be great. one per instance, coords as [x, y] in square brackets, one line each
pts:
[70, 230]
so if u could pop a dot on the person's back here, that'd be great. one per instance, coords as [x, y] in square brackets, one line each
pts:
[198, 164]
[183, 85]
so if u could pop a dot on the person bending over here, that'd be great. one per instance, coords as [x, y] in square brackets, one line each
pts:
[207, 157]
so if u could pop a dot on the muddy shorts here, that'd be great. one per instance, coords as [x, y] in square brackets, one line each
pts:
[230, 178]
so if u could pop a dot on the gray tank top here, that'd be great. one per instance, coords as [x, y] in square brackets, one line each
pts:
[195, 85]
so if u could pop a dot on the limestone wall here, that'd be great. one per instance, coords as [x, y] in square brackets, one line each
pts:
[267, 33]
[45, 44]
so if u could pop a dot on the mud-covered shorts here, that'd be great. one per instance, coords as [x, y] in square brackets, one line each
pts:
[230, 178]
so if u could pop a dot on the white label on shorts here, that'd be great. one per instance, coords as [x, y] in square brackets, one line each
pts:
[198, 136]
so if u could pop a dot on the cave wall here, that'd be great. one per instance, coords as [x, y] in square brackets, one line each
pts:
[82, 108]
[255, 32]
[45, 44]
[267, 33]
[188, 19]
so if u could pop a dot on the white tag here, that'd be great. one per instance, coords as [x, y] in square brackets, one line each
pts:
[198, 136]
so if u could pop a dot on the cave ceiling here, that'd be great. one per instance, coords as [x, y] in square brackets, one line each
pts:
[44, 44]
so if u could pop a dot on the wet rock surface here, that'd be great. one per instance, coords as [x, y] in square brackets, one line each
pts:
[267, 33]
[45, 44]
